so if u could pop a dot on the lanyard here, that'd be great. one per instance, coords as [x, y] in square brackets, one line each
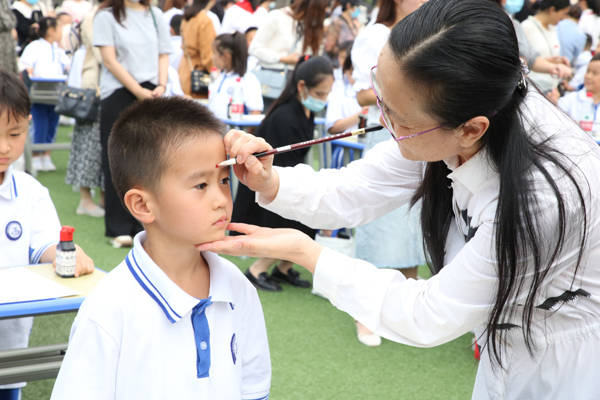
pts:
[222, 81]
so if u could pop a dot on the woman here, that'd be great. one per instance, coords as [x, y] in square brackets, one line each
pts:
[289, 120]
[380, 242]
[509, 219]
[134, 45]
[343, 28]
[197, 35]
[540, 30]
[84, 170]
[285, 34]
[28, 14]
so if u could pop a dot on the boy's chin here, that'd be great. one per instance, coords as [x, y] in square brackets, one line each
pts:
[212, 238]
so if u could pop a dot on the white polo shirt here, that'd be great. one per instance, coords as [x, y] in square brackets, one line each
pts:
[221, 90]
[28, 226]
[47, 59]
[582, 109]
[342, 103]
[140, 336]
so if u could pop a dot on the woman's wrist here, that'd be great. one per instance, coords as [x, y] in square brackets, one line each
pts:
[267, 196]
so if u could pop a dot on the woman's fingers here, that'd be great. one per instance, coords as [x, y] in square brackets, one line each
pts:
[242, 228]
[241, 145]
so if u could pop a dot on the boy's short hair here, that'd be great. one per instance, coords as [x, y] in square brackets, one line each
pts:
[175, 24]
[142, 137]
[14, 99]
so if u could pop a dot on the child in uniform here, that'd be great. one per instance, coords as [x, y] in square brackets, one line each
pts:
[230, 55]
[29, 225]
[169, 322]
[43, 58]
[582, 105]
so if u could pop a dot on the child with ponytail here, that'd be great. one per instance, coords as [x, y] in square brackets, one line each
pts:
[230, 55]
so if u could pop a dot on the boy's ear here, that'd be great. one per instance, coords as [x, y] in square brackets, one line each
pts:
[137, 201]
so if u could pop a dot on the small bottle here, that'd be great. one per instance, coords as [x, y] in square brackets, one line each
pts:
[236, 103]
[65, 253]
[214, 74]
[362, 118]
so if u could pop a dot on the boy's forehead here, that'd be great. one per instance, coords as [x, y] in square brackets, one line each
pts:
[10, 119]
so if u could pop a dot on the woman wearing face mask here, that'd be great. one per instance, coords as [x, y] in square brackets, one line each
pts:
[28, 13]
[289, 120]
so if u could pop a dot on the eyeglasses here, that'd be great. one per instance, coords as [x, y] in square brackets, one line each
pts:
[384, 109]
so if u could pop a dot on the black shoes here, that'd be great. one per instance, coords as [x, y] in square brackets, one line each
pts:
[292, 277]
[263, 281]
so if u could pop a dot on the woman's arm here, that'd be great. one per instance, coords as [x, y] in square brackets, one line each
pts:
[109, 59]
[163, 70]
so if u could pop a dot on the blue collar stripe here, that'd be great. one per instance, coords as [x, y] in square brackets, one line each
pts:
[15, 187]
[261, 398]
[137, 278]
[202, 337]
[165, 302]
[35, 256]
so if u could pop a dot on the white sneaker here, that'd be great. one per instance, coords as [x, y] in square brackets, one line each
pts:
[122, 241]
[47, 163]
[92, 211]
[37, 164]
[369, 339]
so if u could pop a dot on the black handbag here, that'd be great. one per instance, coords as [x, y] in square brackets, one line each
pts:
[200, 79]
[83, 104]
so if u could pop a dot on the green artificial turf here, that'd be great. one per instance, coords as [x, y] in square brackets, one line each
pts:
[314, 350]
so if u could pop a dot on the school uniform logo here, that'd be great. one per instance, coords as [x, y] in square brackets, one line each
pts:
[13, 230]
[234, 348]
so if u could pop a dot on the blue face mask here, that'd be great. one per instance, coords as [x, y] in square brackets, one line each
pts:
[314, 105]
[513, 6]
[32, 2]
[272, 5]
[355, 13]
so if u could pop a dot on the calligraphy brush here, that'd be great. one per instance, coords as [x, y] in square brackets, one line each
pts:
[301, 145]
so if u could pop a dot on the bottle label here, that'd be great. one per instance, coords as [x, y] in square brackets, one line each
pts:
[65, 263]
[586, 125]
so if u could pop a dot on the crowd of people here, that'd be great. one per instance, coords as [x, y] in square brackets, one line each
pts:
[151, 63]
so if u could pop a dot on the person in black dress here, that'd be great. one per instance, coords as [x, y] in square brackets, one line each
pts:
[290, 119]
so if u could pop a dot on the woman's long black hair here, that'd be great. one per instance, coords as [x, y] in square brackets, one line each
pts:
[464, 55]
[311, 70]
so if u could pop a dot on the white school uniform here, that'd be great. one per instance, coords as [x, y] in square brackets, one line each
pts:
[29, 225]
[365, 50]
[140, 336]
[47, 59]
[582, 109]
[220, 92]
[342, 103]
[236, 19]
[460, 297]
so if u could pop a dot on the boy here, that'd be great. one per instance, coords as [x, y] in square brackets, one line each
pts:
[169, 322]
[29, 225]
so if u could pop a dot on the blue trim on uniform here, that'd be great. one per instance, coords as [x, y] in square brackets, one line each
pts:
[137, 278]
[202, 337]
[15, 187]
[154, 287]
[37, 254]
[261, 398]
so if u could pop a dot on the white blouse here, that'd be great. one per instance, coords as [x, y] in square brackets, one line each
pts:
[365, 51]
[545, 42]
[460, 297]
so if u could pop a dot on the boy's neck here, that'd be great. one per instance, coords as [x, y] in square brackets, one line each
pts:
[183, 265]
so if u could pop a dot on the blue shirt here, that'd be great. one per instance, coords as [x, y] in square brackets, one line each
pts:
[571, 39]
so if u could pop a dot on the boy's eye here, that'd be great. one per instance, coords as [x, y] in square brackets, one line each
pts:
[201, 186]
[15, 134]
[226, 180]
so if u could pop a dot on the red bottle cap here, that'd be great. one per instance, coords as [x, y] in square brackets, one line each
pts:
[238, 79]
[66, 233]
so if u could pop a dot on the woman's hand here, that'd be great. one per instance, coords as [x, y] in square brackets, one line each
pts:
[143, 94]
[282, 244]
[256, 173]
[83, 263]
[158, 91]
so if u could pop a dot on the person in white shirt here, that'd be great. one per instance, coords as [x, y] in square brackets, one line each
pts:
[29, 225]
[540, 30]
[169, 322]
[238, 18]
[343, 110]
[45, 59]
[77, 9]
[510, 209]
[582, 105]
[172, 8]
[177, 51]
[230, 55]
[589, 22]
